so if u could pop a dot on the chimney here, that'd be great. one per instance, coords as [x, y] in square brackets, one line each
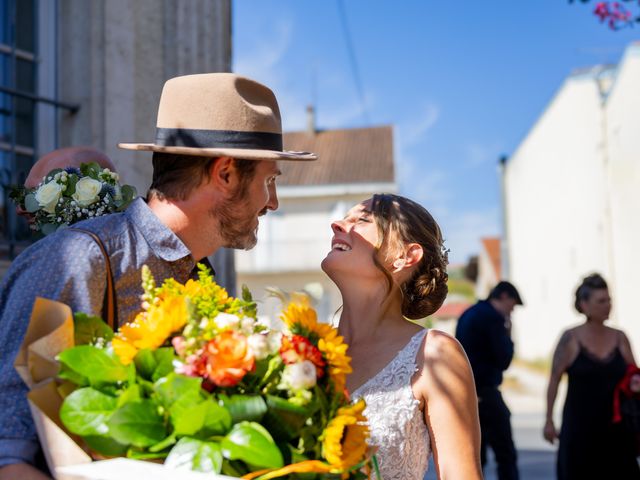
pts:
[311, 120]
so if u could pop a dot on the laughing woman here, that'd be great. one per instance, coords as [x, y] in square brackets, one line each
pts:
[389, 263]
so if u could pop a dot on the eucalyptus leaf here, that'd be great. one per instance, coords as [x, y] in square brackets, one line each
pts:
[128, 193]
[95, 364]
[194, 454]
[72, 180]
[91, 169]
[31, 205]
[87, 411]
[137, 424]
[48, 228]
[87, 329]
[252, 443]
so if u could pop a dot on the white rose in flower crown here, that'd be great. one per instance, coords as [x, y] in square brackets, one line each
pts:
[48, 195]
[300, 376]
[87, 190]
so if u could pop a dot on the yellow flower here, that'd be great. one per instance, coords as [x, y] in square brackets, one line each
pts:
[334, 350]
[344, 441]
[150, 329]
[299, 313]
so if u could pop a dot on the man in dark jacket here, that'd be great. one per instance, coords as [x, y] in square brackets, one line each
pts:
[484, 330]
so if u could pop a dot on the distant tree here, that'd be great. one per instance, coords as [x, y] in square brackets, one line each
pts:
[616, 14]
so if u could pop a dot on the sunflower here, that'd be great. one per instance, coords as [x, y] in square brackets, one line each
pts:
[150, 329]
[334, 350]
[344, 441]
[300, 318]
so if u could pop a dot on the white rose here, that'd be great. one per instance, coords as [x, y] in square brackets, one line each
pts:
[87, 190]
[226, 320]
[247, 325]
[48, 195]
[300, 376]
[259, 345]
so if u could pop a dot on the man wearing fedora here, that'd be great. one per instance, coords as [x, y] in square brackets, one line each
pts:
[215, 163]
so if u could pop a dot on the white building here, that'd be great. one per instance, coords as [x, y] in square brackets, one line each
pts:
[292, 241]
[572, 194]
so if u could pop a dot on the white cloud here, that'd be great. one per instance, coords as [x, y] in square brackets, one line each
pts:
[414, 130]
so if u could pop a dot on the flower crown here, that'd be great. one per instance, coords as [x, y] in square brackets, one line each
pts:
[69, 195]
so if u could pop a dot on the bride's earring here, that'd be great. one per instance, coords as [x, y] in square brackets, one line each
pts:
[399, 263]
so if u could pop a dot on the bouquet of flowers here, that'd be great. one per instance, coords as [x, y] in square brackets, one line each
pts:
[66, 196]
[626, 400]
[197, 381]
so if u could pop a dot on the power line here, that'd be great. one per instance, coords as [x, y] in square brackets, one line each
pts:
[352, 59]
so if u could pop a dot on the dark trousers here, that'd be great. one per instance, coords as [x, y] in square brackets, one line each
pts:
[495, 427]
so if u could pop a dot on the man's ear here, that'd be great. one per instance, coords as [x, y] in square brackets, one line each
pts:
[223, 174]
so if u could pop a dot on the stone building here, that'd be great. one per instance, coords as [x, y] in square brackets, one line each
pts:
[79, 72]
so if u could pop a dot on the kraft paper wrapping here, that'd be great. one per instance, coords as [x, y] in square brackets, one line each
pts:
[50, 332]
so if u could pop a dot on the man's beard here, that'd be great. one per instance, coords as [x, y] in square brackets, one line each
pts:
[235, 223]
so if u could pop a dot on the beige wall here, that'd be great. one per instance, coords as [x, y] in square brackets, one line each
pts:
[573, 193]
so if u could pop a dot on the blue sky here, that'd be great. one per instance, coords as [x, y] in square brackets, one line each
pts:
[461, 82]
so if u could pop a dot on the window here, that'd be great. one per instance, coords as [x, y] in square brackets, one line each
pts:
[18, 81]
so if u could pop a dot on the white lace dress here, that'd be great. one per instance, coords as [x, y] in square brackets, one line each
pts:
[395, 420]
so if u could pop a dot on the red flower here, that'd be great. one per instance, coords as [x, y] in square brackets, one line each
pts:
[297, 348]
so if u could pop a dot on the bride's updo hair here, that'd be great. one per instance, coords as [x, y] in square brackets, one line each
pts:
[401, 221]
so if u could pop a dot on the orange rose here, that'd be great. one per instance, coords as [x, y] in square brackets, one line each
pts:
[228, 358]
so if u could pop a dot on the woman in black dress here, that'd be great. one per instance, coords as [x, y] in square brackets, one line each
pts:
[595, 358]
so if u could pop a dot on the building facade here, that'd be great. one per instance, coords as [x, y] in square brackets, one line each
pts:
[572, 192]
[77, 72]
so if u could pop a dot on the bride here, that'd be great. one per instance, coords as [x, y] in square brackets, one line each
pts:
[388, 261]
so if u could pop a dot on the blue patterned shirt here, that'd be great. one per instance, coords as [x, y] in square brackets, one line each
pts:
[69, 266]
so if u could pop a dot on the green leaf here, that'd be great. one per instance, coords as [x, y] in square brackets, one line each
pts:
[175, 385]
[91, 169]
[71, 184]
[194, 454]
[48, 228]
[128, 193]
[87, 411]
[87, 328]
[283, 419]
[188, 413]
[105, 445]
[164, 357]
[251, 443]
[31, 205]
[66, 373]
[217, 419]
[131, 394]
[163, 444]
[244, 407]
[96, 364]
[137, 424]
[145, 363]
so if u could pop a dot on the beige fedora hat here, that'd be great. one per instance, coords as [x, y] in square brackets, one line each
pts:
[221, 115]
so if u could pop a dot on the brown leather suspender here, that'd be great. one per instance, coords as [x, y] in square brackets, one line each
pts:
[109, 305]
